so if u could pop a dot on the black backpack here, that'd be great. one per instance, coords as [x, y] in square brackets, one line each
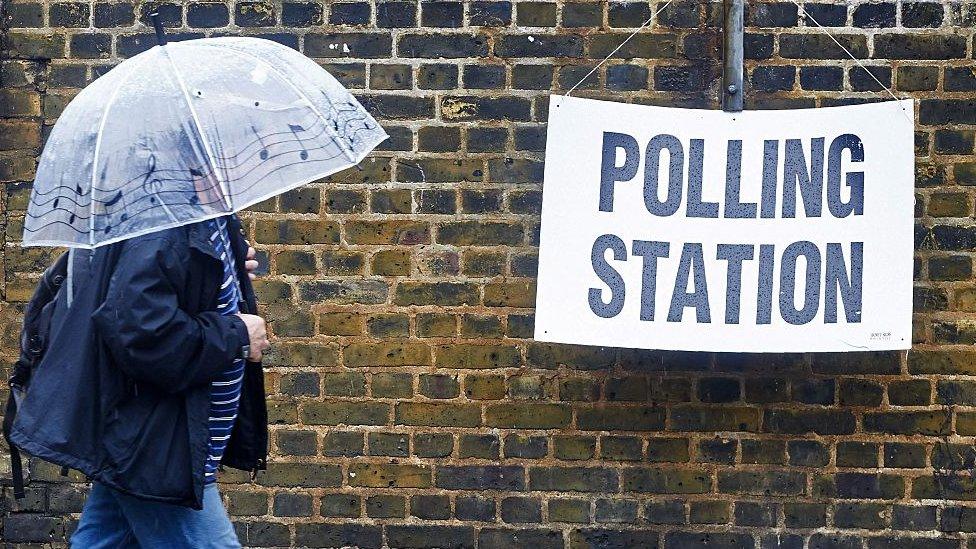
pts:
[34, 338]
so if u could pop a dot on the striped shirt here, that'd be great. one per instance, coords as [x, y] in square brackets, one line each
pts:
[225, 389]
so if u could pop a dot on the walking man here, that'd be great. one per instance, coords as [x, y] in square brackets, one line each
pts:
[181, 351]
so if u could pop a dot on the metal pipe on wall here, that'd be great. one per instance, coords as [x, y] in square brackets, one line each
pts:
[732, 92]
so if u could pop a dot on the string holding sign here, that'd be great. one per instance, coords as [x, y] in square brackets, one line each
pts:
[615, 50]
[801, 11]
[863, 67]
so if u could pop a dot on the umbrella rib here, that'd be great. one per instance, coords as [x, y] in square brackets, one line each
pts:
[302, 95]
[228, 200]
[98, 148]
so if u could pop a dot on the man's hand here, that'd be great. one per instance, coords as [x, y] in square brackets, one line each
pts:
[257, 331]
[251, 264]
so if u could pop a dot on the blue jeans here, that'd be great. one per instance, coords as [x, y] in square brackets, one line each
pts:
[113, 519]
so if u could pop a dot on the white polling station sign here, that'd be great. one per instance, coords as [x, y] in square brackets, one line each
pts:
[759, 231]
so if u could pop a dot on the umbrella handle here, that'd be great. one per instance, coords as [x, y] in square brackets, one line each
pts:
[158, 26]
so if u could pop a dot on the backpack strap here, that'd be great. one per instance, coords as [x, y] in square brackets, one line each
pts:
[16, 465]
[31, 350]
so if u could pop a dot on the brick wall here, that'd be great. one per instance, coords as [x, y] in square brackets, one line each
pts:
[410, 405]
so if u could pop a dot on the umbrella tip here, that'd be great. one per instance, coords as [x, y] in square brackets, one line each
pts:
[158, 26]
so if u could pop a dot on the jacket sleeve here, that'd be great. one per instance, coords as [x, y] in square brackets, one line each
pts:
[150, 337]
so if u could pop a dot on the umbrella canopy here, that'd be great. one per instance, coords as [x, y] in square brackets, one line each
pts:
[189, 131]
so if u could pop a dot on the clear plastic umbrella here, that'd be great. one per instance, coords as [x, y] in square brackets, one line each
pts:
[188, 131]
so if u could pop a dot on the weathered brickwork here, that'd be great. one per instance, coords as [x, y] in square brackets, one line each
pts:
[411, 407]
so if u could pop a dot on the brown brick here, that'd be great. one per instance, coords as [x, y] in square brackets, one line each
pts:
[376, 475]
[942, 362]
[342, 262]
[491, 477]
[282, 412]
[344, 384]
[17, 73]
[709, 512]
[345, 201]
[436, 293]
[303, 200]
[701, 418]
[371, 170]
[515, 171]
[569, 510]
[478, 387]
[859, 363]
[950, 267]
[387, 232]
[476, 326]
[773, 483]
[296, 231]
[579, 389]
[476, 233]
[342, 443]
[439, 386]
[391, 263]
[646, 45]
[385, 506]
[965, 173]
[296, 354]
[438, 262]
[344, 292]
[666, 481]
[914, 392]
[19, 134]
[948, 205]
[966, 423]
[357, 355]
[433, 444]
[53, 104]
[907, 423]
[35, 46]
[573, 448]
[573, 479]
[439, 415]
[616, 418]
[438, 170]
[477, 356]
[436, 325]
[19, 103]
[345, 413]
[391, 385]
[528, 415]
[824, 421]
[952, 487]
[391, 201]
[620, 448]
[295, 262]
[965, 299]
[545, 355]
[17, 169]
[511, 294]
[482, 263]
[272, 291]
[301, 474]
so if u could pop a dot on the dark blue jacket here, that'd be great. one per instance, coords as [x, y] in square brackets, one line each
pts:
[122, 392]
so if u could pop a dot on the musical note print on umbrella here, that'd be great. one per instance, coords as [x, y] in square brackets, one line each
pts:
[188, 131]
